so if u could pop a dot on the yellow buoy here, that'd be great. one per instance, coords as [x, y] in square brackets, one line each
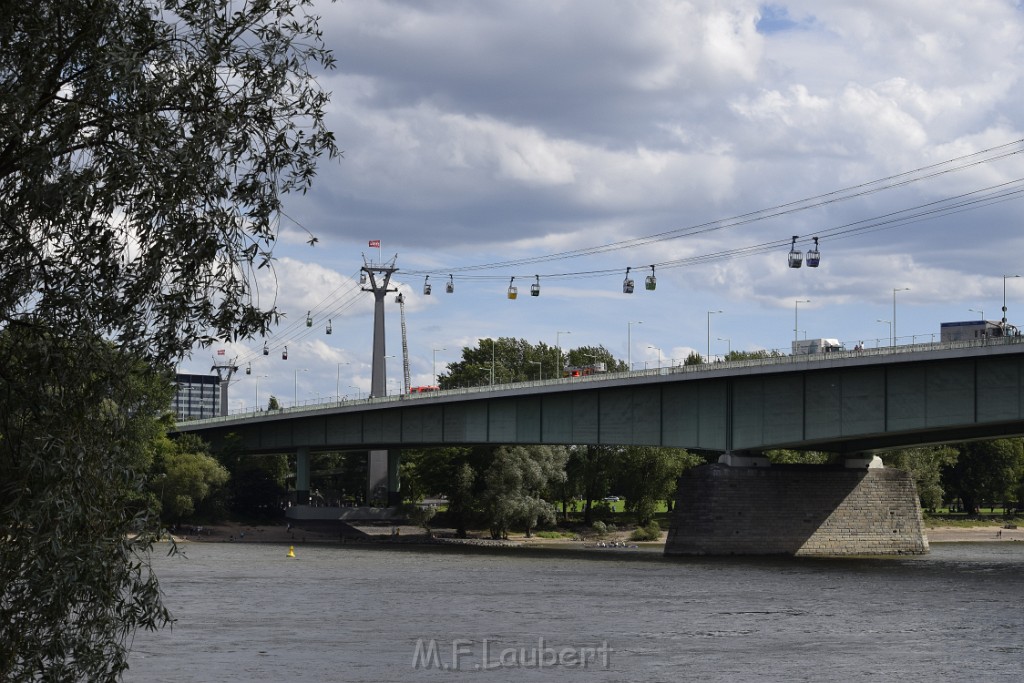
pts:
[291, 551]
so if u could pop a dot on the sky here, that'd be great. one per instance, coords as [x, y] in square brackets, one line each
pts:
[562, 141]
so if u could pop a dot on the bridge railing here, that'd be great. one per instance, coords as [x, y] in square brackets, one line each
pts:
[701, 368]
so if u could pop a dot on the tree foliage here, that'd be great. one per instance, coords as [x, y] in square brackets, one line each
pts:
[517, 360]
[74, 437]
[926, 465]
[985, 472]
[145, 151]
[647, 475]
[516, 480]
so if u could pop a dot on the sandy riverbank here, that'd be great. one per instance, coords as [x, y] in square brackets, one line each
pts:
[281, 533]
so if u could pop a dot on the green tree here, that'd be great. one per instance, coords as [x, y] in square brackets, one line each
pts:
[184, 475]
[516, 480]
[926, 465]
[589, 474]
[694, 359]
[588, 355]
[985, 472]
[273, 403]
[782, 456]
[145, 151]
[646, 475]
[75, 439]
[457, 474]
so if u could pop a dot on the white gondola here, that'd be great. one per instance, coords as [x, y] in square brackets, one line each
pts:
[535, 287]
[248, 369]
[796, 257]
[426, 285]
[627, 284]
[651, 282]
[309, 319]
[813, 255]
[284, 354]
[513, 291]
[266, 349]
[450, 285]
[362, 278]
[328, 326]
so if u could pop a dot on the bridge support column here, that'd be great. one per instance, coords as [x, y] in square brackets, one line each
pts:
[816, 510]
[377, 478]
[302, 475]
[394, 483]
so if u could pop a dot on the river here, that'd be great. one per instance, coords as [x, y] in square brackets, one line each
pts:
[247, 612]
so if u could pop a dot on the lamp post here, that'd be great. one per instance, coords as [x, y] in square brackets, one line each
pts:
[901, 289]
[710, 313]
[337, 386]
[540, 369]
[433, 368]
[629, 342]
[492, 362]
[729, 342]
[558, 348]
[359, 395]
[889, 323]
[659, 355]
[295, 386]
[1005, 278]
[979, 311]
[386, 372]
[796, 317]
[258, 390]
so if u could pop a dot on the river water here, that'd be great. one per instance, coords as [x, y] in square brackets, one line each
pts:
[246, 612]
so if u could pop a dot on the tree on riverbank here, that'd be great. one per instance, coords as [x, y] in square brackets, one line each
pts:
[145, 151]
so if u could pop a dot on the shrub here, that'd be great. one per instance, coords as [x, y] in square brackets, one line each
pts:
[600, 528]
[651, 532]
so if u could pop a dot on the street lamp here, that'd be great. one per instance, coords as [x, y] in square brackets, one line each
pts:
[295, 386]
[258, 390]
[979, 311]
[887, 322]
[796, 317]
[659, 355]
[433, 368]
[1005, 277]
[629, 342]
[337, 386]
[729, 342]
[386, 373]
[901, 289]
[540, 369]
[558, 348]
[358, 393]
[710, 313]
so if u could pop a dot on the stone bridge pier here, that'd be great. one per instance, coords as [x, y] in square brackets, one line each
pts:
[745, 506]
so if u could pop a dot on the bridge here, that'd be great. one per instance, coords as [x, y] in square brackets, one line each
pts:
[850, 402]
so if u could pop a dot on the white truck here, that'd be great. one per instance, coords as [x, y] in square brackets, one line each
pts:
[810, 346]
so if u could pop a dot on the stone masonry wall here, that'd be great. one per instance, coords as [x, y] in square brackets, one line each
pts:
[796, 510]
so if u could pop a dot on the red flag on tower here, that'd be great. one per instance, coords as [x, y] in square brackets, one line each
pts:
[375, 243]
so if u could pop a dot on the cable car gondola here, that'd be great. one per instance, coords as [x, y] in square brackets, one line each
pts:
[450, 286]
[627, 284]
[651, 282]
[535, 287]
[248, 369]
[328, 326]
[813, 255]
[309, 319]
[796, 257]
[284, 354]
[513, 292]
[362, 278]
[266, 350]
[426, 286]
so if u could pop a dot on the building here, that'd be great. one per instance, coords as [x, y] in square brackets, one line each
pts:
[199, 396]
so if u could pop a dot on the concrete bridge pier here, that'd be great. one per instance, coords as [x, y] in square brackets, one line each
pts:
[743, 505]
[302, 475]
